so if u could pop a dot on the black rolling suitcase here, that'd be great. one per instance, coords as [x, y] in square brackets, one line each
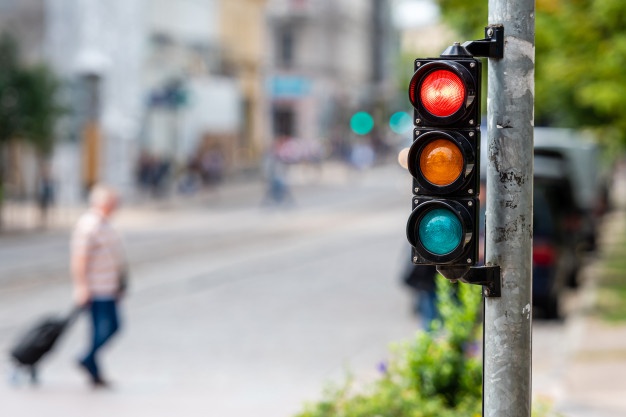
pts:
[39, 340]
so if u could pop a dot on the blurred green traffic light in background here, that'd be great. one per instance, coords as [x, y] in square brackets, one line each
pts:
[361, 123]
[400, 122]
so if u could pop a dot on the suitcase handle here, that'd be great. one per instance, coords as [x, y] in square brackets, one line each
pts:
[73, 314]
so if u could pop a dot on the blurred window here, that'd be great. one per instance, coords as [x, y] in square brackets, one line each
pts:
[284, 121]
[286, 41]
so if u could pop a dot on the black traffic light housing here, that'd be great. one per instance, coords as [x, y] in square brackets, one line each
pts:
[444, 160]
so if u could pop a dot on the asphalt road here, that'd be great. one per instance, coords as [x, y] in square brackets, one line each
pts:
[236, 309]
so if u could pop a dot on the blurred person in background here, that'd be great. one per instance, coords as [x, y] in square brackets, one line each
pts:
[278, 191]
[98, 272]
[212, 166]
[420, 279]
[45, 195]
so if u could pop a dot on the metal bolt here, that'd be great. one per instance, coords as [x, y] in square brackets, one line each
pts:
[471, 121]
[489, 32]
[417, 190]
[418, 64]
[418, 121]
[415, 259]
[470, 203]
[469, 260]
[416, 201]
[471, 134]
[487, 292]
[470, 191]
[472, 65]
[417, 132]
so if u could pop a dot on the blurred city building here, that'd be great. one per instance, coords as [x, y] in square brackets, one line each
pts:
[427, 40]
[244, 38]
[186, 81]
[96, 48]
[421, 31]
[24, 19]
[146, 83]
[328, 60]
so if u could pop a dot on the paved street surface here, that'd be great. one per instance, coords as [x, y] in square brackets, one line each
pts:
[235, 309]
[593, 382]
[238, 309]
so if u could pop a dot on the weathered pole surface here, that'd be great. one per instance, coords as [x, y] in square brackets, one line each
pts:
[510, 109]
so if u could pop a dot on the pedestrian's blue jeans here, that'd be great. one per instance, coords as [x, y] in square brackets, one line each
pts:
[104, 325]
[427, 308]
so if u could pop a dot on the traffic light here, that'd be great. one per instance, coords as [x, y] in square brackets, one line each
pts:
[443, 227]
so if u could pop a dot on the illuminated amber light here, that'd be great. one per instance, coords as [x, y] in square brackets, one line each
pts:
[441, 162]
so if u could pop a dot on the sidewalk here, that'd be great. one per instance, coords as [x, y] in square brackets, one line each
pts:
[22, 217]
[594, 381]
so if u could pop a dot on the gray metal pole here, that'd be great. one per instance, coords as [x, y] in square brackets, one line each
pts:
[508, 320]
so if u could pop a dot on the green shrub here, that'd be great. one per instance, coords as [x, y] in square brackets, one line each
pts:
[433, 375]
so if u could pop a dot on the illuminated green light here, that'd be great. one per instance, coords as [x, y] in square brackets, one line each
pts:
[361, 123]
[440, 231]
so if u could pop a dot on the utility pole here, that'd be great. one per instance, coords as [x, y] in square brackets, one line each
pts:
[508, 319]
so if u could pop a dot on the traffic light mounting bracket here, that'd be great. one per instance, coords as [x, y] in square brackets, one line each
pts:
[490, 47]
[487, 276]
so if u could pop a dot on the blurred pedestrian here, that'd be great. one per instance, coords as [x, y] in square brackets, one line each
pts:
[45, 195]
[278, 191]
[421, 280]
[212, 167]
[98, 271]
[362, 156]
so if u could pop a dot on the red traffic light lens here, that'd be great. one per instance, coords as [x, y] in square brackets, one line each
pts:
[441, 162]
[442, 93]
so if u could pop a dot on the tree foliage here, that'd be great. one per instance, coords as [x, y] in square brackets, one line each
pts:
[39, 109]
[28, 105]
[580, 58]
[28, 100]
[9, 89]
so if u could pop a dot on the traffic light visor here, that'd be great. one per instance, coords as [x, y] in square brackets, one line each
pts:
[441, 162]
[440, 231]
[442, 93]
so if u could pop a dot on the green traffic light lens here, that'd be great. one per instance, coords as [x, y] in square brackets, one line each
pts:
[440, 231]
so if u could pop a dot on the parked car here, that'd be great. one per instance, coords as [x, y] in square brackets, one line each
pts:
[556, 234]
[580, 157]
[568, 198]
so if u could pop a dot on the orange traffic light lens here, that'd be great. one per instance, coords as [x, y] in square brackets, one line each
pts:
[441, 162]
[442, 93]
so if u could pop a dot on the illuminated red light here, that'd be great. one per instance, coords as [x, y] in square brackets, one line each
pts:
[442, 93]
